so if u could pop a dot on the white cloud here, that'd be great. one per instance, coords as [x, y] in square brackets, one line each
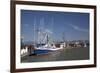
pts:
[78, 28]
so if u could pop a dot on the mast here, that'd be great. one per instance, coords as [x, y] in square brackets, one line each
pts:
[47, 39]
[44, 35]
[63, 36]
[34, 30]
[52, 23]
[40, 30]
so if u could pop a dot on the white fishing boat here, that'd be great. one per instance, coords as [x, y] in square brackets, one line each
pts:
[44, 43]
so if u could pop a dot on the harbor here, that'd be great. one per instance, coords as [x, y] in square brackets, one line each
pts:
[60, 51]
[49, 37]
[66, 54]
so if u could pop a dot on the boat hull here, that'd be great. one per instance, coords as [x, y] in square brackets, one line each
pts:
[40, 52]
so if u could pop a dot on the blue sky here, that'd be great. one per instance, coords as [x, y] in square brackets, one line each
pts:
[74, 26]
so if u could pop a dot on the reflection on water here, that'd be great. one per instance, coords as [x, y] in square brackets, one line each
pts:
[59, 55]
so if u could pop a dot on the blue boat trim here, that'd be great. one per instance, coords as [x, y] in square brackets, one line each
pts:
[40, 52]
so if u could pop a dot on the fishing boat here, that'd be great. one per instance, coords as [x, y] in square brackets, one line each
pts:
[45, 48]
[44, 43]
[43, 40]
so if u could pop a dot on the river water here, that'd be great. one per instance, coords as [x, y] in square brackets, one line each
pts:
[59, 55]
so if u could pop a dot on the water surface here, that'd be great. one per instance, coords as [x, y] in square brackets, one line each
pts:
[59, 55]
